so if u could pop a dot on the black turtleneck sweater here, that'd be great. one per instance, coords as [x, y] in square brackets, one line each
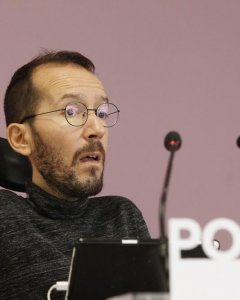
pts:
[38, 234]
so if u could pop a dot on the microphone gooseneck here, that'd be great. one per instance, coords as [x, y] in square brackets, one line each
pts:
[172, 143]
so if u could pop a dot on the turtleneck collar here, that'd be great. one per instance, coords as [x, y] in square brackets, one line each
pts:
[53, 207]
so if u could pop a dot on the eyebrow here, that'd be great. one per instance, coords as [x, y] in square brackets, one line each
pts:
[82, 98]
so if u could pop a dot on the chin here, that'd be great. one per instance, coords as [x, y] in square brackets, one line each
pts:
[92, 173]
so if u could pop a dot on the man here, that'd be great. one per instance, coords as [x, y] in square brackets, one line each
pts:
[58, 115]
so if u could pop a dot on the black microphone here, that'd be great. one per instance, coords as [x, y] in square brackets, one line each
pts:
[172, 142]
[238, 142]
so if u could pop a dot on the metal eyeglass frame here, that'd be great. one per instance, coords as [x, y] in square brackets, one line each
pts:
[64, 109]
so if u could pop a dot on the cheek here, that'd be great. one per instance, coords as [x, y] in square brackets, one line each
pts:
[63, 145]
[67, 148]
[105, 141]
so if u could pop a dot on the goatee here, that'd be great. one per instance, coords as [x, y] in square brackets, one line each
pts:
[62, 178]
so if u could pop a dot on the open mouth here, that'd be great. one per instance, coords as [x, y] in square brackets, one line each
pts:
[90, 157]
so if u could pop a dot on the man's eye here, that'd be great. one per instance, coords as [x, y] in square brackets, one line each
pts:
[102, 113]
[72, 111]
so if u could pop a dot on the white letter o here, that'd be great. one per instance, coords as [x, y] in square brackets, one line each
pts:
[208, 236]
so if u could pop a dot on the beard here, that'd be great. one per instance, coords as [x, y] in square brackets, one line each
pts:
[61, 177]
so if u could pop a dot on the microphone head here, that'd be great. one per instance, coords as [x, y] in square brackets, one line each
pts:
[173, 141]
[238, 142]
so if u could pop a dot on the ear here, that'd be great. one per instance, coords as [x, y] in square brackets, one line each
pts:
[19, 138]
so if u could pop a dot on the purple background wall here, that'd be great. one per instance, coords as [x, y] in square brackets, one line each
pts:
[168, 65]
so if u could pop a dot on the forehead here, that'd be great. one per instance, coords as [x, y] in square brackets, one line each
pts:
[55, 81]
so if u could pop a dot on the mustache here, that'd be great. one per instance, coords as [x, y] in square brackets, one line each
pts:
[90, 147]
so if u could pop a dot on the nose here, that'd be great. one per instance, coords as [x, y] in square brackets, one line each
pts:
[93, 128]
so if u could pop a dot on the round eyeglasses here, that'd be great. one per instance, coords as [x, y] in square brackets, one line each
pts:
[77, 113]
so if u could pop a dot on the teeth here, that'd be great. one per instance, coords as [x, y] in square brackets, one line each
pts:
[90, 157]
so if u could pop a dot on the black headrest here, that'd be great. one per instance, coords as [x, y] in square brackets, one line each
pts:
[15, 169]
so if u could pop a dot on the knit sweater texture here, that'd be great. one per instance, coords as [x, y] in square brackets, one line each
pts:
[38, 234]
